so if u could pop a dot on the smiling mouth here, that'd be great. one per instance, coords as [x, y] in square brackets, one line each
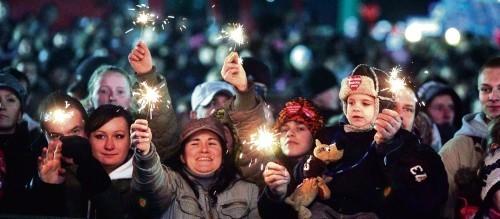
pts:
[204, 159]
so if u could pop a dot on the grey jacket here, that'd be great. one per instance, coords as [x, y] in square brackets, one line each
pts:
[168, 194]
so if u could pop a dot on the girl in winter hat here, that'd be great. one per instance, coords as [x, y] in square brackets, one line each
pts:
[490, 174]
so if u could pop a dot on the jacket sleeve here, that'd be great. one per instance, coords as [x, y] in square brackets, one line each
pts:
[156, 182]
[246, 114]
[164, 121]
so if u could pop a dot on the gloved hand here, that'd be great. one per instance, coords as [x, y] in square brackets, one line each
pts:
[90, 173]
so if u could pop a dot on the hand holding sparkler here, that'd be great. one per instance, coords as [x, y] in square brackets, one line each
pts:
[233, 72]
[276, 178]
[387, 124]
[140, 58]
[141, 136]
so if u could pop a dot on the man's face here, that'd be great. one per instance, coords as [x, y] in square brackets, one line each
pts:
[404, 105]
[216, 104]
[442, 109]
[489, 92]
[10, 111]
[73, 126]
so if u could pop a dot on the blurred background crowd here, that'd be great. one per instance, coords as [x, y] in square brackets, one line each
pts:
[447, 40]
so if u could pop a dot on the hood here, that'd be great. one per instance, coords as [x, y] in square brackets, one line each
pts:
[122, 172]
[473, 125]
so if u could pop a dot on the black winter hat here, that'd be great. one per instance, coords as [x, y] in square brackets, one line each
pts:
[257, 70]
[320, 79]
[8, 81]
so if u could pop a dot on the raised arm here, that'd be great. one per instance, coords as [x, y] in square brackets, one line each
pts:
[245, 112]
[164, 122]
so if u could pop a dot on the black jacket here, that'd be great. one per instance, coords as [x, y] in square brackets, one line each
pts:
[21, 166]
[419, 184]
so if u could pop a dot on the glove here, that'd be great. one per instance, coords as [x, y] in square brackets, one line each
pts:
[90, 173]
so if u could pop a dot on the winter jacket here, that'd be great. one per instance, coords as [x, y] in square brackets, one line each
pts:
[21, 165]
[244, 114]
[169, 195]
[419, 184]
[463, 150]
[164, 122]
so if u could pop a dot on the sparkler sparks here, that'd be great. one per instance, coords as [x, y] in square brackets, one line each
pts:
[234, 34]
[144, 18]
[59, 116]
[263, 139]
[148, 97]
[397, 83]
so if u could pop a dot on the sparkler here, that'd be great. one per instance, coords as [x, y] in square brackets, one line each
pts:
[263, 139]
[59, 116]
[148, 97]
[397, 83]
[144, 18]
[234, 34]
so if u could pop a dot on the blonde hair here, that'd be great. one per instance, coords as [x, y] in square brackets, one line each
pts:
[96, 76]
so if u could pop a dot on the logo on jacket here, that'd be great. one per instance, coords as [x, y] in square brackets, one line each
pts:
[418, 173]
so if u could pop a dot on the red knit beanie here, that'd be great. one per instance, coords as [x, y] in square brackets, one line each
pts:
[303, 111]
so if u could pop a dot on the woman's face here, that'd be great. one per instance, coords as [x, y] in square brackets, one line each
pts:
[203, 153]
[295, 139]
[110, 143]
[112, 88]
[360, 109]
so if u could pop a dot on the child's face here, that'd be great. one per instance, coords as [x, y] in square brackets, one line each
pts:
[295, 139]
[360, 109]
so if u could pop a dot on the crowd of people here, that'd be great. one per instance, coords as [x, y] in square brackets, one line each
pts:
[90, 144]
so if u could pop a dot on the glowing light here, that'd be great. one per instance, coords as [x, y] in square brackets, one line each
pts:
[452, 36]
[148, 97]
[263, 139]
[397, 83]
[413, 33]
[144, 18]
[234, 34]
[59, 116]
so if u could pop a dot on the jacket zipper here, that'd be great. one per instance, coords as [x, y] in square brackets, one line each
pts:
[207, 204]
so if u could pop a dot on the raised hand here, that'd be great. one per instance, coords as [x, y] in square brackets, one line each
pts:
[49, 164]
[233, 72]
[140, 58]
[140, 136]
[388, 122]
[276, 178]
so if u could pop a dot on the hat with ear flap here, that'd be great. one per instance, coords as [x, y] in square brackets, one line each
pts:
[365, 80]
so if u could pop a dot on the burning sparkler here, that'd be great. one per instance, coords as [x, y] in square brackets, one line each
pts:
[397, 83]
[234, 34]
[263, 139]
[144, 18]
[59, 116]
[148, 97]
